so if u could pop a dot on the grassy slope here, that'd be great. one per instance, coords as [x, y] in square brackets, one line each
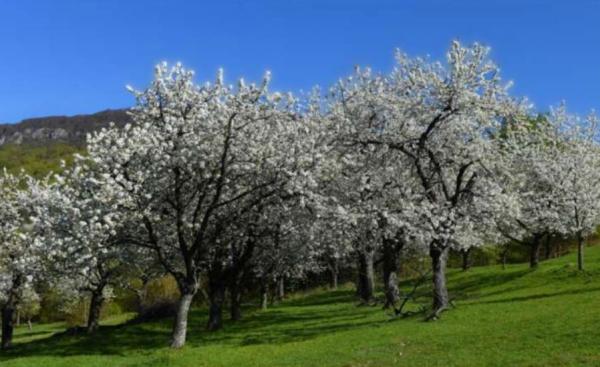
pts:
[36, 160]
[549, 316]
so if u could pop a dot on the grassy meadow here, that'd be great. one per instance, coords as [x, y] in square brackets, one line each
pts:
[511, 317]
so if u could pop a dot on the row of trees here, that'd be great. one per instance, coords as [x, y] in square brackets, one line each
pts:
[217, 185]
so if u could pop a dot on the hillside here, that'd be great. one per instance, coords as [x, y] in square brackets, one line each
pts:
[66, 129]
[38, 145]
[512, 317]
[37, 160]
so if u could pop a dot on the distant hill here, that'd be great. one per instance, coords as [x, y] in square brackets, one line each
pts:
[59, 129]
[38, 145]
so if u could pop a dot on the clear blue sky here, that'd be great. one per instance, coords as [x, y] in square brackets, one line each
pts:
[69, 57]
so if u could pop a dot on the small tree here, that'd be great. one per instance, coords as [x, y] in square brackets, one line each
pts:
[28, 307]
[576, 175]
[81, 224]
[532, 149]
[20, 248]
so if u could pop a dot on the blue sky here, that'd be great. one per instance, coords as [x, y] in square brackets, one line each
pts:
[69, 57]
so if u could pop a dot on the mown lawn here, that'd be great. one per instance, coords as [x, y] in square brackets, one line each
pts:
[513, 317]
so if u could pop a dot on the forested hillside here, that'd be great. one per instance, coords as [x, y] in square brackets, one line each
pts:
[66, 129]
[37, 160]
[38, 145]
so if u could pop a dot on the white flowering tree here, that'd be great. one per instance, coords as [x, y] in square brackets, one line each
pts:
[289, 248]
[82, 226]
[533, 150]
[575, 174]
[28, 307]
[333, 244]
[19, 244]
[357, 185]
[197, 162]
[442, 119]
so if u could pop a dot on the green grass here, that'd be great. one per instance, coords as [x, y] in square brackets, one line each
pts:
[513, 317]
[37, 161]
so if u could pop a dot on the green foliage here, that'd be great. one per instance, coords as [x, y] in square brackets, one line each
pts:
[161, 289]
[77, 314]
[512, 317]
[29, 306]
[50, 305]
[158, 298]
[38, 161]
[110, 309]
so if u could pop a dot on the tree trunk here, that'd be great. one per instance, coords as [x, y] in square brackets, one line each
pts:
[366, 275]
[235, 278]
[390, 274]
[547, 248]
[236, 301]
[264, 293]
[7, 325]
[466, 259]
[280, 288]
[580, 246]
[29, 326]
[141, 294]
[504, 255]
[181, 318]
[215, 312]
[534, 256]
[8, 311]
[439, 258]
[333, 271]
[93, 321]
[18, 322]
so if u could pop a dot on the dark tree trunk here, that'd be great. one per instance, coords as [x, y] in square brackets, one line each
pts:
[366, 275]
[580, 246]
[439, 258]
[264, 293]
[93, 321]
[390, 273]
[504, 256]
[547, 248]
[280, 288]
[181, 318]
[235, 276]
[236, 301]
[333, 272]
[7, 325]
[8, 311]
[466, 259]
[141, 294]
[534, 256]
[216, 294]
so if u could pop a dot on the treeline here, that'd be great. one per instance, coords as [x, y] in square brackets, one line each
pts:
[230, 189]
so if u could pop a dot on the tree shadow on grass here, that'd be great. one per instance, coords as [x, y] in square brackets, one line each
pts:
[320, 314]
[109, 340]
[30, 334]
[539, 296]
[323, 299]
[475, 283]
